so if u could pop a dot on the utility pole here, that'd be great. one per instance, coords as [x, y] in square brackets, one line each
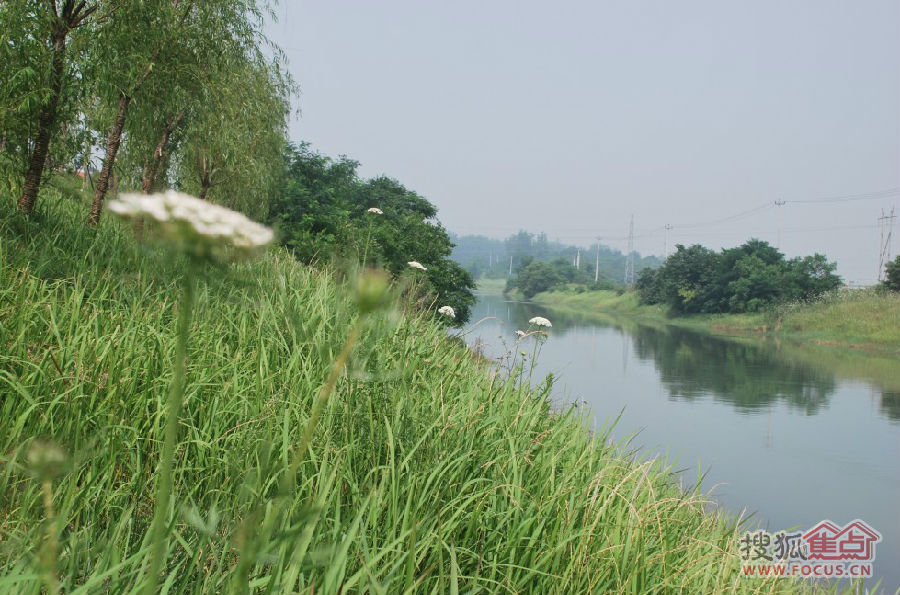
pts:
[629, 260]
[887, 224]
[668, 229]
[778, 205]
[597, 264]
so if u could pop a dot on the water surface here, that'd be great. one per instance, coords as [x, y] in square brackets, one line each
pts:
[794, 435]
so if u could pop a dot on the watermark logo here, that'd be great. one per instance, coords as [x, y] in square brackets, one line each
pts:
[826, 550]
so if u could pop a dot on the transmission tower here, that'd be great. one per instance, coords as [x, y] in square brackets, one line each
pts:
[887, 226]
[629, 259]
[779, 204]
[668, 229]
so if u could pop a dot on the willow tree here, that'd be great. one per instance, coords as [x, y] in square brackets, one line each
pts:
[234, 139]
[165, 76]
[42, 60]
[127, 55]
[21, 90]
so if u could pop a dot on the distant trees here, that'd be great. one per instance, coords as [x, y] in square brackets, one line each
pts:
[493, 258]
[748, 278]
[537, 276]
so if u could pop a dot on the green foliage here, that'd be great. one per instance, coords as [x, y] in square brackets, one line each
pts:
[23, 71]
[535, 276]
[538, 277]
[892, 275]
[322, 215]
[649, 286]
[750, 278]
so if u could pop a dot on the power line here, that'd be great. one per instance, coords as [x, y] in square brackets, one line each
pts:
[779, 204]
[747, 213]
[629, 257]
[886, 193]
[668, 229]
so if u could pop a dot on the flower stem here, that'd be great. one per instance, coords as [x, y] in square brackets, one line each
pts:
[320, 401]
[368, 238]
[50, 553]
[173, 412]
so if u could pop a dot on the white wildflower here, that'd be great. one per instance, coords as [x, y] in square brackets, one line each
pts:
[540, 321]
[178, 212]
[416, 265]
[375, 210]
[447, 311]
[521, 334]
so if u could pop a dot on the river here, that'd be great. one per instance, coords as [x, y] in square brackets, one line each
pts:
[792, 434]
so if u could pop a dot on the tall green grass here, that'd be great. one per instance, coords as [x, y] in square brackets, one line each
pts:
[849, 316]
[427, 472]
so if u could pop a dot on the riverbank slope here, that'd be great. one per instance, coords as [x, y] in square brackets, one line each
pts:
[862, 319]
[427, 472]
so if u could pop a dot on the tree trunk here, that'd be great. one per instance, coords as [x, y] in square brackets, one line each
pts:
[45, 123]
[156, 164]
[205, 182]
[113, 141]
[86, 165]
[151, 169]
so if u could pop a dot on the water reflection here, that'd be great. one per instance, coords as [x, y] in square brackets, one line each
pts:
[890, 405]
[749, 375]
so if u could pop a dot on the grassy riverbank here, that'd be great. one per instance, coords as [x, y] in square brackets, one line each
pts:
[426, 473]
[860, 319]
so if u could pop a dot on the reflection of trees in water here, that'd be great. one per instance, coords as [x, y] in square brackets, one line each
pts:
[693, 365]
[750, 377]
[890, 405]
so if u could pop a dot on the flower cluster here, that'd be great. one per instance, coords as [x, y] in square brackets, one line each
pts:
[375, 211]
[540, 321]
[447, 311]
[192, 220]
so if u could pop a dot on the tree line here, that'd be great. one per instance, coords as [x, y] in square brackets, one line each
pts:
[493, 258]
[749, 278]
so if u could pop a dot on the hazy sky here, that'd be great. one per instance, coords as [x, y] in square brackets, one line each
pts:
[569, 117]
